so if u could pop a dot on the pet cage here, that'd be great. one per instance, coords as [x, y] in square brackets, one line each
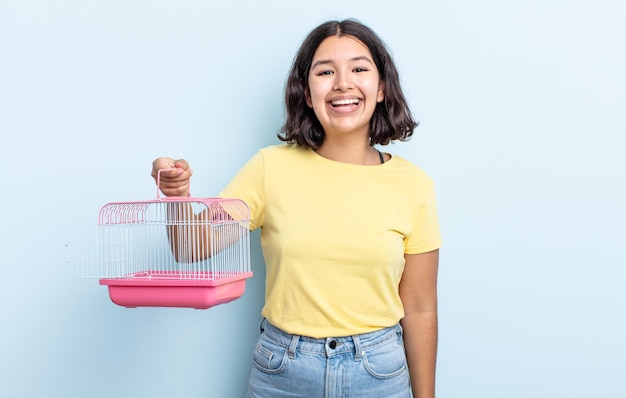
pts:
[169, 252]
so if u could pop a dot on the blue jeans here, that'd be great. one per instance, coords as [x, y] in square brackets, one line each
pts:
[366, 365]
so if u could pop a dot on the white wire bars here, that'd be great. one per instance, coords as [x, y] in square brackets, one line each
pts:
[172, 242]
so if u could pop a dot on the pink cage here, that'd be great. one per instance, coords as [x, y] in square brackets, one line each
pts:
[169, 252]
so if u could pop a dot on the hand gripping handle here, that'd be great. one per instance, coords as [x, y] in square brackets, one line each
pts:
[158, 192]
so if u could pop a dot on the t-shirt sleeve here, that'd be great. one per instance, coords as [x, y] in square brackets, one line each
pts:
[425, 235]
[249, 186]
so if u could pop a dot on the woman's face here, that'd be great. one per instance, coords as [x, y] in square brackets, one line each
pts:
[344, 86]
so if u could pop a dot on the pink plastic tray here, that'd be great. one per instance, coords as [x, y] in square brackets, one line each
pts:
[160, 289]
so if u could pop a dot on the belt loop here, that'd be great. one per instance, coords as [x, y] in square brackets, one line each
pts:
[292, 346]
[359, 353]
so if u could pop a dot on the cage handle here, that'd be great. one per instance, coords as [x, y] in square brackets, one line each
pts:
[158, 192]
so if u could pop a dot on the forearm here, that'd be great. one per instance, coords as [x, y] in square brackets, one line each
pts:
[420, 340]
[197, 236]
[189, 236]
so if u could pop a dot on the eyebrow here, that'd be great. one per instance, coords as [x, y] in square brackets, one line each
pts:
[328, 61]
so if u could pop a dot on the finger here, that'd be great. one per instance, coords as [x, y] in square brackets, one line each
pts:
[166, 168]
[181, 164]
[183, 168]
[175, 188]
[159, 164]
[171, 173]
[163, 163]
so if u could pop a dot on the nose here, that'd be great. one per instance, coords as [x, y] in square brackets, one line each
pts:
[343, 81]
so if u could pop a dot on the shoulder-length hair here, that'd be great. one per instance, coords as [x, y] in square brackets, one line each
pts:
[392, 119]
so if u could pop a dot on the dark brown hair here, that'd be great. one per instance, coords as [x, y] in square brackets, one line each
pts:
[392, 119]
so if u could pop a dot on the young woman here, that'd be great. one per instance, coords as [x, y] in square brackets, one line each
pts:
[350, 235]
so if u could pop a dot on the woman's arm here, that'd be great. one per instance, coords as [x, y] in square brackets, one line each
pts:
[418, 292]
[190, 235]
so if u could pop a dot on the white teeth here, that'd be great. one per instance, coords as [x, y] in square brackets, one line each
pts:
[345, 102]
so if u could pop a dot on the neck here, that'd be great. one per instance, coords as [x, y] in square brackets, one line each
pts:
[360, 153]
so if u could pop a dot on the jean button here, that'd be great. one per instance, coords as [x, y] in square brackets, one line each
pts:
[332, 344]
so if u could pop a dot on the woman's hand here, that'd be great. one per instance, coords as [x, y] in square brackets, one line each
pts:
[173, 182]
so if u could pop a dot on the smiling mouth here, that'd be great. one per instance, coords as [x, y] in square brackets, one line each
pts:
[344, 102]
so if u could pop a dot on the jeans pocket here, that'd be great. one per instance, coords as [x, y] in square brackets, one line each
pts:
[269, 357]
[386, 361]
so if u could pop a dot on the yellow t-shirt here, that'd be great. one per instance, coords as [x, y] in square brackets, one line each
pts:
[334, 237]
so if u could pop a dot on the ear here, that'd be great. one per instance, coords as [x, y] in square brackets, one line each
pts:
[381, 92]
[307, 97]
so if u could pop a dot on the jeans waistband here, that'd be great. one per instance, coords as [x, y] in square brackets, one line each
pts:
[330, 346]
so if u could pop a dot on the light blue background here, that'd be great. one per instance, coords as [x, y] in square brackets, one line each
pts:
[522, 110]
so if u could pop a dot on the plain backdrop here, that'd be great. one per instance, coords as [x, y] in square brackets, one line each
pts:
[522, 127]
